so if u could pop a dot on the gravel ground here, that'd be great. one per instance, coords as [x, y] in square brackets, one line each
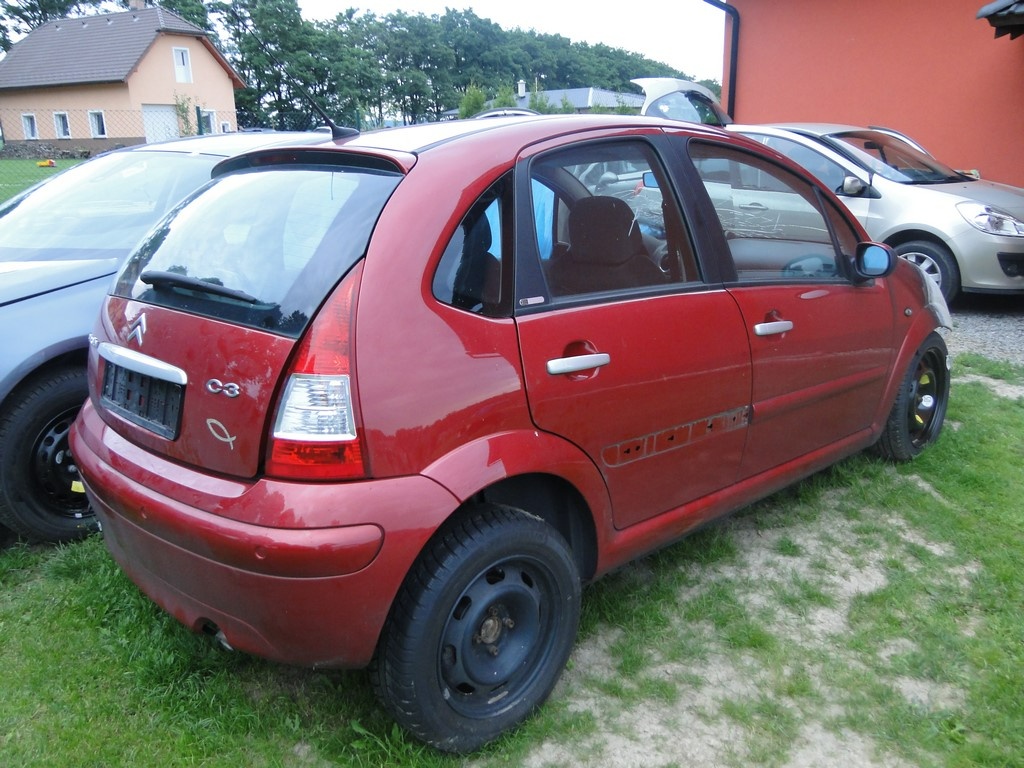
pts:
[992, 326]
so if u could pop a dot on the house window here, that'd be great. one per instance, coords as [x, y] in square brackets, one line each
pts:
[61, 125]
[97, 125]
[182, 66]
[207, 121]
[28, 126]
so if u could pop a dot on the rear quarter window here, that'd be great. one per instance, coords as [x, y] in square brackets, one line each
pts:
[259, 248]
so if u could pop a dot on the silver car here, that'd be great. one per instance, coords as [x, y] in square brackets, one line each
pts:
[967, 234]
[60, 243]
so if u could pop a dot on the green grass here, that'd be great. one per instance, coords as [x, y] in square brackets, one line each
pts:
[18, 174]
[876, 607]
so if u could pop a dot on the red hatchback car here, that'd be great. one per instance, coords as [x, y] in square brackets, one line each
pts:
[391, 402]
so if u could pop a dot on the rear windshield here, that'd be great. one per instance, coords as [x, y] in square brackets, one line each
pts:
[260, 248]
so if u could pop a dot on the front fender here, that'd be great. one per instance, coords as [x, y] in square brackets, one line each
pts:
[919, 310]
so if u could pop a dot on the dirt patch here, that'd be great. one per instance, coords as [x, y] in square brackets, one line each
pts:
[1000, 388]
[729, 708]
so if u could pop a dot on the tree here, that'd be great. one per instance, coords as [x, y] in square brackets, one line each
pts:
[190, 10]
[356, 80]
[368, 70]
[473, 101]
[506, 97]
[539, 102]
[277, 54]
[418, 64]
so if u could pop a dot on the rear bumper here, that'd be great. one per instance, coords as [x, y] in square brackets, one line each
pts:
[299, 595]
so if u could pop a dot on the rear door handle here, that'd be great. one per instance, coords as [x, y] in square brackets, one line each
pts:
[578, 363]
[772, 328]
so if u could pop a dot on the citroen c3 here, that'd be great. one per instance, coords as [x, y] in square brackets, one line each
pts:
[389, 403]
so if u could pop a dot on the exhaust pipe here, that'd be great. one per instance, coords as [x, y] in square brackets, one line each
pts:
[211, 629]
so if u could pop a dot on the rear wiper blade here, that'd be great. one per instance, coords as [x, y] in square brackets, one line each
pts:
[162, 280]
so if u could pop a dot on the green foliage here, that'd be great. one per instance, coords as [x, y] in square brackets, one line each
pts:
[366, 70]
[539, 102]
[472, 102]
[190, 10]
[185, 110]
[506, 97]
[18, 174]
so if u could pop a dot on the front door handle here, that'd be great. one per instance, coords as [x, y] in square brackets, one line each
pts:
[772, 328]
[578, 363]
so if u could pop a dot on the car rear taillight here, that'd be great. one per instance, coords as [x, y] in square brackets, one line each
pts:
[315, 434]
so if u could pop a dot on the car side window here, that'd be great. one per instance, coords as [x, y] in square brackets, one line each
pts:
[605, 220]
[772, 219]
[828, 172]
[469, 273]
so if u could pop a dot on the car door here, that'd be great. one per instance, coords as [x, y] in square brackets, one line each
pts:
[821, 344]
[626, 351]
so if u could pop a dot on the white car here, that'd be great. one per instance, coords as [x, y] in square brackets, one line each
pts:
[967, 234]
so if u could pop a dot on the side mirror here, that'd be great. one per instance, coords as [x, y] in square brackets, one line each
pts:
[874, 260]
[852, 187]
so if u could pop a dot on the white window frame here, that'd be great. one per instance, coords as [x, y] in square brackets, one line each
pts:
[29, 126]
[61, 125]
[209, 120]
[97, 124]
[182, 65]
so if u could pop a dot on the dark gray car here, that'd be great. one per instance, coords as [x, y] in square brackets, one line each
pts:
[60, 243]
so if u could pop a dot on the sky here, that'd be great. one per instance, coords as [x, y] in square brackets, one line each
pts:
[685, 34]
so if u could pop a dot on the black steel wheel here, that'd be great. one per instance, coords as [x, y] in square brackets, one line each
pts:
[41, 495]
[480, 631]
[920, 408]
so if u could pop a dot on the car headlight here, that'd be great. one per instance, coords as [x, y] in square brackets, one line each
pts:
[990, 220]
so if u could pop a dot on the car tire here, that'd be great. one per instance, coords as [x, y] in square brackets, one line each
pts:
[481, 629]
[936, 261]
[920, 408]
[41, 497]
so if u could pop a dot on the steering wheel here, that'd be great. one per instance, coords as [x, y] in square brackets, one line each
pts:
[810, 265]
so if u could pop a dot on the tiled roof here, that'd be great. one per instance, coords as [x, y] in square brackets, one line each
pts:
[92, 49]
[1007, 16]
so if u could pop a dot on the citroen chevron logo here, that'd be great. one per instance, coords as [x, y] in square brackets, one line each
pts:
[137, 329]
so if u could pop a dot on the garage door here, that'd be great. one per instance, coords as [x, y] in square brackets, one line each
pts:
[160, 121]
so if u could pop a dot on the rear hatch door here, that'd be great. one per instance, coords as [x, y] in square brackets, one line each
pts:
[204, 317]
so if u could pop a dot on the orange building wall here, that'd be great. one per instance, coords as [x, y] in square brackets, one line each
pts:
[928, 68]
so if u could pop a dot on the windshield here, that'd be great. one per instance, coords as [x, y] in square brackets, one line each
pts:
[100, 208]
[260, 248]
[893, 158]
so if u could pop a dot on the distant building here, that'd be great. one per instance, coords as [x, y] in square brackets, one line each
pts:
[91, 83]
[583, 100]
